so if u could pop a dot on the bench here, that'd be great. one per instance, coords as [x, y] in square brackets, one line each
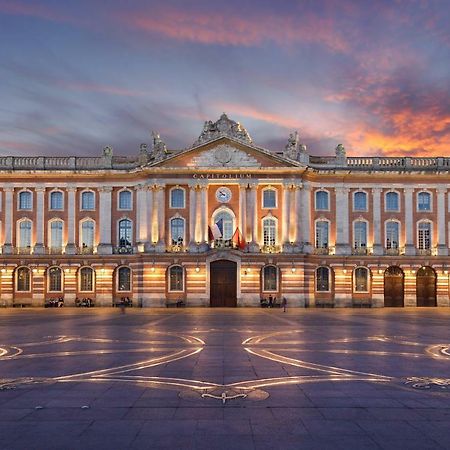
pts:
[177, 304]
[324, 304]
[22, 304]
[362, 303]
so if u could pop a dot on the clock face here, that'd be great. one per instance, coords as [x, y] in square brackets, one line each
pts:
[223, 195]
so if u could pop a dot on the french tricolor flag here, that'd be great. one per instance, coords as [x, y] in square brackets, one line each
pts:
[217, 229]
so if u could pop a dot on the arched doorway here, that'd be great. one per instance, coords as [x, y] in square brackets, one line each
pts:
[223, 283]
[394, 287]
[426, 287]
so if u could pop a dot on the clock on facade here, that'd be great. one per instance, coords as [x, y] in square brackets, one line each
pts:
[223, 194]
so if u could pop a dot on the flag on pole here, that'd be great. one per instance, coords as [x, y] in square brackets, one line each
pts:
[238, 239]
[217, 229]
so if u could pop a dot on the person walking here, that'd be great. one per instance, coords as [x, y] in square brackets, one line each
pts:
[284, 304]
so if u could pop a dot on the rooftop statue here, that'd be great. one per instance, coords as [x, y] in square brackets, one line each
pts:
[340, 150]
[159, 148]
[293, 149]
[223, 127]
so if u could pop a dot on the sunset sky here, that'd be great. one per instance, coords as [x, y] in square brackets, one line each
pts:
[373, 75]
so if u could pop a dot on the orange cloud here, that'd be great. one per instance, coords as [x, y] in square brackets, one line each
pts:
[18, 8]
[232, 29]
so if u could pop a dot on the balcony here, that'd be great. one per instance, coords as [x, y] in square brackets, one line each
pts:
[177, 246]
[23, 250]
[223, 244]
[424, 251]
[85, 250]
[54, 250]
[392, 251]
[360, 251]
[123, 250]
[322, 251]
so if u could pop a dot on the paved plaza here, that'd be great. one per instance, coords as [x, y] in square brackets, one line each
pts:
[224, 378]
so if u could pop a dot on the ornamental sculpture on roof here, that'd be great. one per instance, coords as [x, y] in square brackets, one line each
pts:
[293, 149]
[223, 127]
[159, 148]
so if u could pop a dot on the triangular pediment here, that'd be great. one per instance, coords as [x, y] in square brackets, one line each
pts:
[225, 153]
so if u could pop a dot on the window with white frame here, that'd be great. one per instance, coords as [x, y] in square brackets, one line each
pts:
[177, 230]
[25, 230]
[322, 234]
[56, 234]
[176, 279]
[392, 201]
[56, 200]
[124, 279]
[177, 198]
[86, 279]
[23, 278]
[269, 198]
[270, 278]
[227, 224]
[269, 231]
[54, 279]
[424, 201]
[25, 200]
[322, 279]
[361, 279]
[360, 201]
[392, 234]
[87, 234]
[322, 201]
[87, 201]
[125, 200]
[424, 235]
[360, 234]
[125, 233]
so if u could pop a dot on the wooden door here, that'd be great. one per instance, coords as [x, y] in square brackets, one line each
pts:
[223, 283]
[394, 287]
[426, 287]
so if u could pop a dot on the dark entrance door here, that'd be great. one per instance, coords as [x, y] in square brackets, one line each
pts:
[426, 287]
[223, 277]
[394, 287]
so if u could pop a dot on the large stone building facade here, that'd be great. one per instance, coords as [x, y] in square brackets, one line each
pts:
[225, 223]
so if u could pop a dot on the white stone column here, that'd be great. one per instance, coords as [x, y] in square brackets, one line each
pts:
[409, 226]
[304, 220]
[7, 245]
[71, 195]
[160, 203]
[441, 233]
[150, 217]
[141, 217]
[204, 215]
[105, 244]
[377, 226]
[253, 210]
[285, 215]
[242, 222]
[192, 215]
[39, 244]
[198, 215]
[342, 222]
[294, 219]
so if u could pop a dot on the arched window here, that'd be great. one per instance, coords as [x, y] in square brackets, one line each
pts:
[87, 234]
[23, 275]
[361, 279]
[125, 200]
[322, 201]
[226, 225]
[392, 234]
[176, 281]
[424, 201]
[177, 230]
[25, 200]
[125, 233]
[87, 200]
[322, 279]
[424, 235]
[56, 234]
[25, 227]
[56, 200]
[54, 280]
[270, 278]
[269, 231]
[392, 201]
[86, 279]
[360, 201]
[269, 198]
[360, 234]
[177, 198]
[124, 279]
[322, 232]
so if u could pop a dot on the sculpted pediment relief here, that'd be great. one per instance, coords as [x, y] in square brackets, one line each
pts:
[224, 155]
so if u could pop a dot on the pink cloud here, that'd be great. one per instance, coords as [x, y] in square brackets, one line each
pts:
[18, 8]
[236, 30]
[101, 88]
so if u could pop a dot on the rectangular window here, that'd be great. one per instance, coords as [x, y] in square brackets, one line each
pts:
[322, 234]
[269, 198]
[322, 201]
[424, 236]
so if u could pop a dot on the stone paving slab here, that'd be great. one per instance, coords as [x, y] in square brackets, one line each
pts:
[224, 378]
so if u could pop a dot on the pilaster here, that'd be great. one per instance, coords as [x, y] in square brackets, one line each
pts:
[409, 226]
[342, 222]
[377, 242]
[105, 245]
[71, 194]
[39, 245]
